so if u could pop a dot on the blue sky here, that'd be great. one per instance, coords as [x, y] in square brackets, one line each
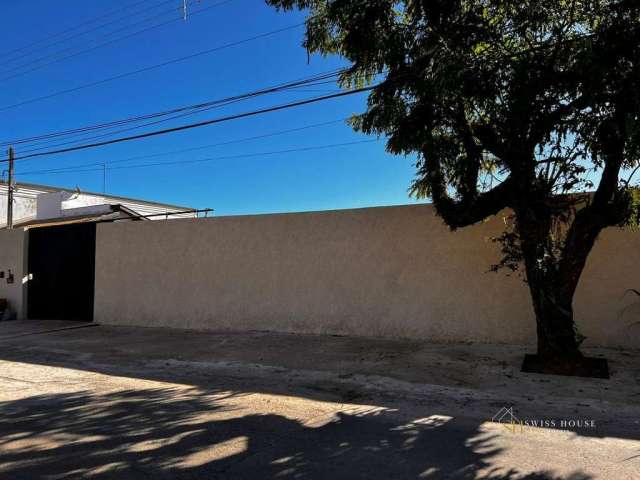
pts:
[350, 176]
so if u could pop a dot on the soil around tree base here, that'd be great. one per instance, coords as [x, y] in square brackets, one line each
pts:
[574, 367]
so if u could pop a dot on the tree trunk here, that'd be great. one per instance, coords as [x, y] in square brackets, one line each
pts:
[552, 299]
[557, 339]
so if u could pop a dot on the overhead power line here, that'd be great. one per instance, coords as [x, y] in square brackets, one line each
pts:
[49, 145]
[71, 29]
[234, 44]
[184, 150]
[125, 15]
[153, 67]
[210, 159]
[34, 61]
[318, 79]
[198, 124]
[95, 47]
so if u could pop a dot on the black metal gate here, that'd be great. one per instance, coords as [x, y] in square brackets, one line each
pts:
[62, 268]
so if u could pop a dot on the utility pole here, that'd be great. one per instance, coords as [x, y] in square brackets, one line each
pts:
[10, 191]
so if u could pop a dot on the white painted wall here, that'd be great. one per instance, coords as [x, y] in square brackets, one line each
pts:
[24, 208]
[49, 205]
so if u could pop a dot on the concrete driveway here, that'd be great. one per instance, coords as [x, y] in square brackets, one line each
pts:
[128, 403]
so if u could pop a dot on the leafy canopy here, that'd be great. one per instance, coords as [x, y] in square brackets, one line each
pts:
[507, 104]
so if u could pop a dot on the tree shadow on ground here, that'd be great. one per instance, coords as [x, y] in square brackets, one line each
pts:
[193, 433]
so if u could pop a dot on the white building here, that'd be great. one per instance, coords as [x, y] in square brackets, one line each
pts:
[42, 204]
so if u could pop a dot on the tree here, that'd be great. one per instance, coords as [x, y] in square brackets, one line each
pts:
[527, 106]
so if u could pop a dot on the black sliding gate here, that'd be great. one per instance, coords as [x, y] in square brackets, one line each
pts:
[62, 268]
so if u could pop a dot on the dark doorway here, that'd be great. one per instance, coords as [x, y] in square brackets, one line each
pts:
[62, 261]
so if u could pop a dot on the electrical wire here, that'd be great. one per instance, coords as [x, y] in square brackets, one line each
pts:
[318, 79]
[185, 150]
[155, 122]
[85, 32]
[210, 159]
[153, 67]
[198, 124]
[135, 137]
[63, 32]
[5, 71]
[225, 46]
[19, 74]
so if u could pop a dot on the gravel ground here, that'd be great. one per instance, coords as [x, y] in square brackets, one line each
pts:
[126, 403]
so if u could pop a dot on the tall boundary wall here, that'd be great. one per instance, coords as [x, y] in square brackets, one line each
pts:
[386, 271]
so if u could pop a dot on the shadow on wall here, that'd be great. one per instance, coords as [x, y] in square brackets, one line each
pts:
[168, 433]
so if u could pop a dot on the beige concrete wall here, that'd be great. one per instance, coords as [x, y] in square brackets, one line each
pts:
[12, 257]
[391, 271]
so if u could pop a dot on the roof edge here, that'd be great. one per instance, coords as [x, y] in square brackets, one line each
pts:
[52, 188]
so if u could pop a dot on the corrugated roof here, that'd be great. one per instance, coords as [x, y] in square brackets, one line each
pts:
[117, 212]
[142, 207]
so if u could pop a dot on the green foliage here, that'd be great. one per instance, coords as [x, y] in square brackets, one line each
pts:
[632, 217]
[482, 90]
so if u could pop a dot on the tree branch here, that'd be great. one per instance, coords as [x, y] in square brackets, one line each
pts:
[489, 139]
[467, 211]
[471, 168]
[602, 212]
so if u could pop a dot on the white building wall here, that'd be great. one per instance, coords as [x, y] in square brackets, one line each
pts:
[24, 208]
[56, 201]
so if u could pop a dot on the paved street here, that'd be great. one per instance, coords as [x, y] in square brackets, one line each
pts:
[124, 403]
